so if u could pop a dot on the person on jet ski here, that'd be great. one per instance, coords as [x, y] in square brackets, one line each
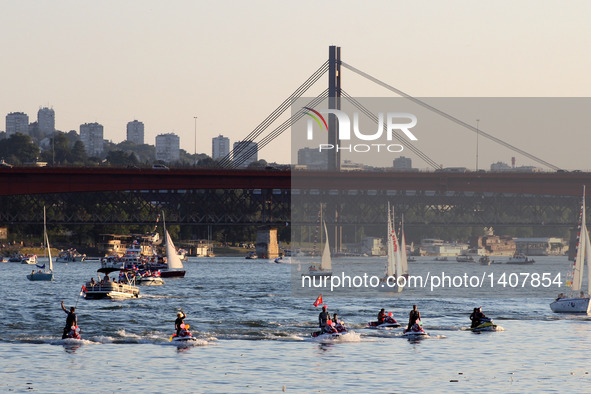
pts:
[71, 320]
[180, 316]
[381, 316]
[476, 317]
[413, 316]
[323, 318]
[338, 324]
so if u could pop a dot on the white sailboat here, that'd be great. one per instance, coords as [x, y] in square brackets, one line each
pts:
[577, 301]
[325, 268]
[173, 261]
[396, 264]
[45, 274]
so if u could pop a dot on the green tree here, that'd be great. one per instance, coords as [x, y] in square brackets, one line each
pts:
[121, 158]
[18, 149]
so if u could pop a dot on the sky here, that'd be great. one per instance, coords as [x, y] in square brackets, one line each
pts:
[231, 63]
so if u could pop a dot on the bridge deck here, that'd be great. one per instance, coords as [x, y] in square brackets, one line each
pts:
[31, 180]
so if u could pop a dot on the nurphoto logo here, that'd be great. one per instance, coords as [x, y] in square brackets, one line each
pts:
[392, 121]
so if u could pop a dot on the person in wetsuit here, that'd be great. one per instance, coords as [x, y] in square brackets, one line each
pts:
[180, 316]
[323, 317]
[413, 316]
[71, 320]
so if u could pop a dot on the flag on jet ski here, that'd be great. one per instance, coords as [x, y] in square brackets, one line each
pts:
[40, 266]
[318, 300]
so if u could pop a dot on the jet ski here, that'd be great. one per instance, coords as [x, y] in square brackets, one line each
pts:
[74, 333]
[331, 331]
[184, 335]
[486, 324]
[415, 331]
[389, 323]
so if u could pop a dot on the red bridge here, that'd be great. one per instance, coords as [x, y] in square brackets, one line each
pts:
[32, 180]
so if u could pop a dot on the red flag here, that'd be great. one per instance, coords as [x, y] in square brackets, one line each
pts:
[318, 300]
[83, 291]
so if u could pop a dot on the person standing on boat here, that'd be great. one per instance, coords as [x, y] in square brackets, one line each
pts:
[413, 316]
[180, 316]
[323, 318]
[71, 320]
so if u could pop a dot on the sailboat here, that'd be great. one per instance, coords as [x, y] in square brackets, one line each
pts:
[396, 263]
[325, 268]
[577, 301]
[45, 274]
[173, 262]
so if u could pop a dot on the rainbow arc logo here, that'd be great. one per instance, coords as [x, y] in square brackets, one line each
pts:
[318, 115]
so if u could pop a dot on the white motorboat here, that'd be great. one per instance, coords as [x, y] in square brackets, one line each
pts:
[29, 259]
[108, 288]
[520, 258]
[70, 256]
[150, 279]
[577, 301]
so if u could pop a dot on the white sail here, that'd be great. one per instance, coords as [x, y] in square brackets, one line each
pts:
[403, 257]
[326, 262]
[172, 258]
[48, 248]
[390, 262]
[588, 259]
[580, 259]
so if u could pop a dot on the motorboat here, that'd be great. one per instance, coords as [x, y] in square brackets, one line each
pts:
[251, 256]
[149, 278]
[485, 260]
[29, 259]
[465, 259]
[108, 288]
[520, 258]
[70, 256]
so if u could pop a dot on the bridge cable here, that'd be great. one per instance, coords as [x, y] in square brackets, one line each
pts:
[279, 130]
[226, 161]
[448, 116]
[374, 118]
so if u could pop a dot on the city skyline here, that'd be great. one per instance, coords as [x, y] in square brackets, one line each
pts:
[165, 64]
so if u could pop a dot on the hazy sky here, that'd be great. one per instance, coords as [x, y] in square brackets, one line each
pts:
[233, 62]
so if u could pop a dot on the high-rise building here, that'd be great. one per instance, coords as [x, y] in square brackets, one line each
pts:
[91, 135]
[402, 163]
[220, 147]
[168, 147]
[46, 121]
[17, 122]
[313, 159]
[245, 152]
[135, 132]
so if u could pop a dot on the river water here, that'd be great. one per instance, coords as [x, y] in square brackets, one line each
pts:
[254, 335]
